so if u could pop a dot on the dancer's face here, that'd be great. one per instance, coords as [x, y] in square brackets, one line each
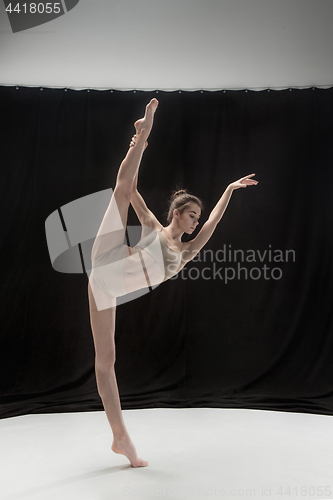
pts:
[189, 219]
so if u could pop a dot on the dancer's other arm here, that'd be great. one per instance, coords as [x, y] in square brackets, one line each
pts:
[139, 204]
[194, 246]
[145, 216]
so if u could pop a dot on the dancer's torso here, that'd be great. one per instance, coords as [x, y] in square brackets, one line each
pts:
[151, 258]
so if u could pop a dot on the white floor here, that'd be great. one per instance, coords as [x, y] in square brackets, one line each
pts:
[200, 453]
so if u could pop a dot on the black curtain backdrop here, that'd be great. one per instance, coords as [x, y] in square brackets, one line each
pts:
[200, 340]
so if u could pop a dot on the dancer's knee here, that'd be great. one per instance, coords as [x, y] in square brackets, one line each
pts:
[104, 363]
[124, 189]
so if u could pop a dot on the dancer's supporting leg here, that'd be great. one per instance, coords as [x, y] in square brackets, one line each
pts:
[107, 237]
[103, 321]
[103, 328]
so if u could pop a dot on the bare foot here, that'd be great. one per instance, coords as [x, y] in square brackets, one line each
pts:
[144, 125]
[125, 447]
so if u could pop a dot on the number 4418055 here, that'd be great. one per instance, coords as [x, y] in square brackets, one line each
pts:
[35, 8]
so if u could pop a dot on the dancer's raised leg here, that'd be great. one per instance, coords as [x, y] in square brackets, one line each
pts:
[109, 234]
[103, 328]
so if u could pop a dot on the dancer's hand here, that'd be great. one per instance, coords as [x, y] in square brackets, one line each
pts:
[133, 142]
[243, 182]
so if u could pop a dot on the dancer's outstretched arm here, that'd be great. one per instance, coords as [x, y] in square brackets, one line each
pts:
[195, 245]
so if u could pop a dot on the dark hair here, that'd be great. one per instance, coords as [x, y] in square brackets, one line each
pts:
[181, 200]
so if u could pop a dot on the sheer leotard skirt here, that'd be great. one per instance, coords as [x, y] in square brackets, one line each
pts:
[108, 271]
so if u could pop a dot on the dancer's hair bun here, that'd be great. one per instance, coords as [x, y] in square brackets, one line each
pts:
[179, 192]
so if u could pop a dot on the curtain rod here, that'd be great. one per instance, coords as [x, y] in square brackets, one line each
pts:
[123, 89]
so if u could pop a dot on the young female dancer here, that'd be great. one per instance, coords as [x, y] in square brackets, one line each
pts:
[119, 269]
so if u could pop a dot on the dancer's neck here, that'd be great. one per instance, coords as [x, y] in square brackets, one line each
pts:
[174, 231]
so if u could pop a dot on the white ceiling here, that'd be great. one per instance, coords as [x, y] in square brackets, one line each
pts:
[174, 44]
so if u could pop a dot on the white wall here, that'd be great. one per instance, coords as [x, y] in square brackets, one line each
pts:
[172, 44]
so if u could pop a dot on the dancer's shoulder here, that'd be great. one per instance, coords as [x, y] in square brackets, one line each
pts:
[153, 222]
